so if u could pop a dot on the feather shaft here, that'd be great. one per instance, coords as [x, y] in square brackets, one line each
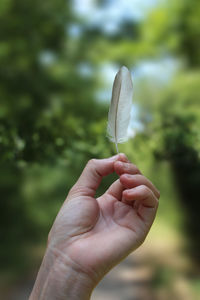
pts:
[120, 107]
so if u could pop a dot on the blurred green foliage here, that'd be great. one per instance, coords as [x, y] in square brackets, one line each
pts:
[51, 121]
[48, 116]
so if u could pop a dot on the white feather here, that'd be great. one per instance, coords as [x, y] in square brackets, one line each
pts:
[120, 107]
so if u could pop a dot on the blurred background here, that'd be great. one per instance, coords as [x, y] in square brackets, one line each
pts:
[58, 59]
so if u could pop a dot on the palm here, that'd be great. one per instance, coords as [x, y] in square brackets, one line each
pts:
[109, 231]
[97, 233]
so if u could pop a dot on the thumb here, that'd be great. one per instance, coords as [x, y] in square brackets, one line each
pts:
[92, 174]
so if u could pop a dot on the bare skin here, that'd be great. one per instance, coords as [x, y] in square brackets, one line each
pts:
[90, 236]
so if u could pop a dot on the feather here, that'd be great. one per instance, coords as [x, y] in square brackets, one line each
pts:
[120, 107]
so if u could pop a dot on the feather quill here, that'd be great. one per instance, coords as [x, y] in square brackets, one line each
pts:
[120, 107]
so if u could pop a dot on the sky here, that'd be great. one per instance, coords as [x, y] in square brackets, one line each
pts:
[160, 71]
[110, 16]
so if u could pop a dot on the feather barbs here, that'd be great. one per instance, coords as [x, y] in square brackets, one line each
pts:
[120, 107]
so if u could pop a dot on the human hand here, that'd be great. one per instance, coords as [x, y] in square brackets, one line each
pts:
[90, 236]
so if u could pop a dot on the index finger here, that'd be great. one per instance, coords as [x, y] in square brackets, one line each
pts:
[126, 167]
[92, 174]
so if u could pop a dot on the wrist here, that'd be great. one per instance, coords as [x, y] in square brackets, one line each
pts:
[58, 278]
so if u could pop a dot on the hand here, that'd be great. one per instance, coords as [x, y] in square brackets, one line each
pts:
[90, 236]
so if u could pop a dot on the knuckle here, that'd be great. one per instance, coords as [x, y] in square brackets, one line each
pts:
[76, 189]
[131, 168]
[136, 170]
[92, 162]
[123, 157]
[146, 191]
[140, 177]
[72, 191]
[157, 202]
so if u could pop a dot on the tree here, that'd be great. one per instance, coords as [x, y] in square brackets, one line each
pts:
[47, 113]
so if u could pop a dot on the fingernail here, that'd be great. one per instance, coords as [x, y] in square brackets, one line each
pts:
[123, 157]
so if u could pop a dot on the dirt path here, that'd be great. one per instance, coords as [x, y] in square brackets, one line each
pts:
[127, 281]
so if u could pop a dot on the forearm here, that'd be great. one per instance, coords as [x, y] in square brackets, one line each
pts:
[58, 280]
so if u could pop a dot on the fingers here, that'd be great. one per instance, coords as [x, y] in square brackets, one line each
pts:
[130, 176]
[138, 190]
[125, 167]
[132, 181]
[144, 202]
[115, 190]
[143, 195]
[92, 174]
[121, 167]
